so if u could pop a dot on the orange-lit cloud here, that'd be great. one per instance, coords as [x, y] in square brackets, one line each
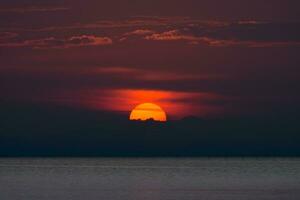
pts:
[176, 35]
[241, 33]
[171, 36]
[51, 42]
[140, 32]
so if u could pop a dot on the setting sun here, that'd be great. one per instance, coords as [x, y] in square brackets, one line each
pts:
[148, 111]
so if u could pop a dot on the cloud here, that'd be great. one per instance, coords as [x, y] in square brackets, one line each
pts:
[249, 33]
[136, 33]
[235, 42]
[87, 40]
[245, 33]
[51, 42]
[127, 23]
[33, 9]
[176, 35]
[7, 35]
[171, 35]
[150, 75]
[140, 32]
[139, 22]
[242, 33]
[247, 22]
[142, 21]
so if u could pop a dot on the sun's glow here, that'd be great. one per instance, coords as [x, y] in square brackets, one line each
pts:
[176, 104]
[148, 111]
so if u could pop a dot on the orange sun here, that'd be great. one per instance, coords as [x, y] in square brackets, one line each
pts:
[148, 111]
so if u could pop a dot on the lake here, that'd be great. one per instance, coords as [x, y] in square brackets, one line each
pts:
[149, 178]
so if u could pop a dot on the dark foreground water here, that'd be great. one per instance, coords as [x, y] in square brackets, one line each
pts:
[150, 179]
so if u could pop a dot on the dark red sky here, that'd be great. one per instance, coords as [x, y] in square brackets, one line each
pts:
[192, 57]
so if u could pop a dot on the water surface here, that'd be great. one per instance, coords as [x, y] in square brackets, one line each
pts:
[148, 178]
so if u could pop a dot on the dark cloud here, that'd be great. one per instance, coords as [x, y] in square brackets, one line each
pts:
[252, 31]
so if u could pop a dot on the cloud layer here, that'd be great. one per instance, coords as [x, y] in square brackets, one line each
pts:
[246, 64]
[249, 33]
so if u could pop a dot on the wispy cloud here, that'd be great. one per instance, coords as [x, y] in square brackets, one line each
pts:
[33, 9]
[136, 33]
[171, 35]
[140, 32]
[7, 35]
[150, 75]
[51, 42]
[245, 33]
[249, 33]
[141, 23]
[222, 41]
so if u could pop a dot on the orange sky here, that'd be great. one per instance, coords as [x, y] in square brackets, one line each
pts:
[190, 57]
[176, 104]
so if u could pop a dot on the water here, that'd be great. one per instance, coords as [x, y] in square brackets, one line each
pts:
[150, 179]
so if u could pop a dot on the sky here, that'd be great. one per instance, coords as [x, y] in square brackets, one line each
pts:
[205, 58]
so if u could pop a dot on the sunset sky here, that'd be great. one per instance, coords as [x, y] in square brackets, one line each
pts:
[206, 58]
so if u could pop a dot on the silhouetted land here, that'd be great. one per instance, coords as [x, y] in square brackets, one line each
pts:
[58, 131]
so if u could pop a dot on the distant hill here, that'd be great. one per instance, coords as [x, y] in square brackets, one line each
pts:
[59, 131]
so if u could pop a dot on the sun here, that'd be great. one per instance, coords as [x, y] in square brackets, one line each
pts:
[148, 111]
